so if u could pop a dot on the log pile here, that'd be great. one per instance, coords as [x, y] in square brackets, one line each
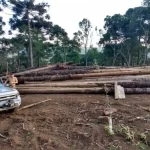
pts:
[84, 88]
[70, 79]
[64, 72]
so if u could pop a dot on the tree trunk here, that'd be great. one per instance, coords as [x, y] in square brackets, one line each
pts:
[82, 91]
[80, 76]
[89, 84]
[138, 59]
[64, 91]
[137, 90]
[114, 59]
[145, 56]
[30, 40]
[75, 71]
[18, 62]
[86, 44]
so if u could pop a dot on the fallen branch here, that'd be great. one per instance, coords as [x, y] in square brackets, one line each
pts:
[6, 139]
[147, 109]
[31, 105]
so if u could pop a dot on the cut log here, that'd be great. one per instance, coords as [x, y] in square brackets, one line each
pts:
[50, 78]
[57, 72]
[71, 84]
[64, 91]
[74, 71]
[137, 90]
[80, 76]
[88, 84]
[81, 91]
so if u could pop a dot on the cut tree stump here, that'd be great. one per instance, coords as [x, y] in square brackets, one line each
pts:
[119, 92]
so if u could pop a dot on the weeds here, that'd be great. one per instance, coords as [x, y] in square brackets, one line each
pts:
[114, 147]
[143, 137]
[107, 129]
[27, 134]
[127, 132]
[142, 146]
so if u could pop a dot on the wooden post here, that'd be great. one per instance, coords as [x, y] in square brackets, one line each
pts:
[119, 92]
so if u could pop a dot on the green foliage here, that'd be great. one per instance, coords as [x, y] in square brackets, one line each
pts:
[107, 129]
[141, 146]
[125, 41]
[127, 132]
[84, 35]
[114, 147]
[2, 23]
[127, 37]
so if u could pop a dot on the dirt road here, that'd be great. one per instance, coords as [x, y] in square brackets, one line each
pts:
[70, 122]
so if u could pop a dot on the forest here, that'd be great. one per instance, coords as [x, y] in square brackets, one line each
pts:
[124, 41]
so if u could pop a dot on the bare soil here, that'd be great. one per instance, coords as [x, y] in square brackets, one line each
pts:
[70, 122]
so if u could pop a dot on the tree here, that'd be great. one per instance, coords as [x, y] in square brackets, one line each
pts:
[145, 25]
[28, 16]
[58, 35]
[126, 36]
[2, 23]
[146, 3]
[63, 49]
[85, 35]
[139, 29]
[112, 40]
[93, 55]
[3, 2]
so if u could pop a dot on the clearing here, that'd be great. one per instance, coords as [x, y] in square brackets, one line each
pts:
[70, 122]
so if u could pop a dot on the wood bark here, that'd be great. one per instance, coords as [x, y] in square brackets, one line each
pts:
[89, 84]
[74, 71]
[80, 76]
[64, 91]
[82, 91]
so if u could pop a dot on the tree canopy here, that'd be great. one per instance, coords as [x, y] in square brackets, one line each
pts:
[36, 40]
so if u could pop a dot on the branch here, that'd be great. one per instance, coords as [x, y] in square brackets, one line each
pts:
[32, 105]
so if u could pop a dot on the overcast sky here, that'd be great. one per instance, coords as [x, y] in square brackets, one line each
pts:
[68, 13]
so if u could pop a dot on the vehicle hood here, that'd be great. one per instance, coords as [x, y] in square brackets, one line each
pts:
[7, 91]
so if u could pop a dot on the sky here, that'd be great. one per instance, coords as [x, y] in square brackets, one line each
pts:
[68, 13]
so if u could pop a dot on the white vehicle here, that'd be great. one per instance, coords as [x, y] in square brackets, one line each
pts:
[9, 98]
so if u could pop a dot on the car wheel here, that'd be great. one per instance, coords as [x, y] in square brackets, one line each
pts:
[13, 110]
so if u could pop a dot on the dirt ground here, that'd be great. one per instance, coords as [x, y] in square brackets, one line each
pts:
[71, 122]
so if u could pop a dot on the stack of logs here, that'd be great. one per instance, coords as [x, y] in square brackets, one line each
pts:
[67, 79]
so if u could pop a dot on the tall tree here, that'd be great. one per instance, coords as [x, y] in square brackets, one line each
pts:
[124, 36]
[145, 25]
[85, 35]
[2, 23]
[28, 15]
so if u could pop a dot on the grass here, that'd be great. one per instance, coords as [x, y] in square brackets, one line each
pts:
[126, 132]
